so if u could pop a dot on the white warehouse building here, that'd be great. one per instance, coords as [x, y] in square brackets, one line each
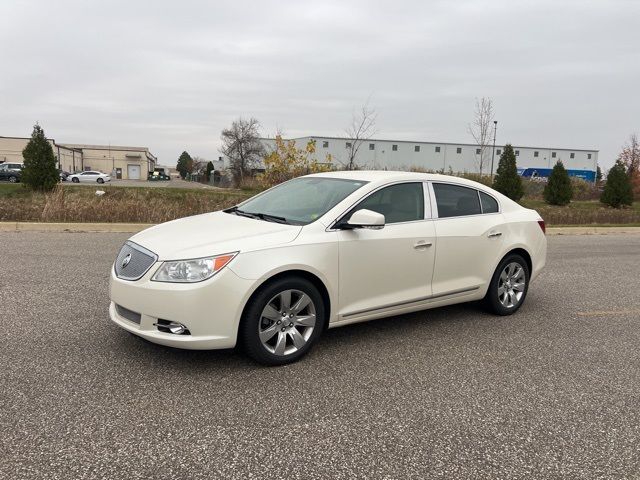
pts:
[375, 154]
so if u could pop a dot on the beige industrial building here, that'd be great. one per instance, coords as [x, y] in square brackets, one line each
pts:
[121, 162]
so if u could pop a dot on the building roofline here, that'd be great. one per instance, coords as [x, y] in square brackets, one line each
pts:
[61, 145]
[104, 147]
[435, 143]
[21, 138]
[78, 147]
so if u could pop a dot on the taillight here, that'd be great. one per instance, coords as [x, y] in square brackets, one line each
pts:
[542, 226]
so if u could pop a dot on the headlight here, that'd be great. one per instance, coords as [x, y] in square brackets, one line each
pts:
[189, 271]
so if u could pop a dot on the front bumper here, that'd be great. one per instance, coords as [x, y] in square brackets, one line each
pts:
[211, 310]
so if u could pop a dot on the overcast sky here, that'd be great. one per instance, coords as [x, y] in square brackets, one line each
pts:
[171, 75]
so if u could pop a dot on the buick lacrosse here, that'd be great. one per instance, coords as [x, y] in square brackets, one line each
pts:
[322, 251]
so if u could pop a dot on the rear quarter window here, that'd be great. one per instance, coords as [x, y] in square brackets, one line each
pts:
[489, 204]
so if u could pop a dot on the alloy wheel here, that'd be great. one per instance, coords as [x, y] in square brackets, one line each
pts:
[511, 285]
[287, 322]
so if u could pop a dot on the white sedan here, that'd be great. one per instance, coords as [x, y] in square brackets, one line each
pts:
[89, 176]
[322, 251]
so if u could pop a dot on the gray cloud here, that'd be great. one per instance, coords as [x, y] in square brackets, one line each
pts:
[171, 75]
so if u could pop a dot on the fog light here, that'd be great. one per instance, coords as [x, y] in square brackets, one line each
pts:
[172, 327]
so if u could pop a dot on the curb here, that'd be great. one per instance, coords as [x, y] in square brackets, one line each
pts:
[73, 227]
[137, 227]
[593, 230]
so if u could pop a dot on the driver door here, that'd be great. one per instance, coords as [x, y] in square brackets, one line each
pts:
[392, 266]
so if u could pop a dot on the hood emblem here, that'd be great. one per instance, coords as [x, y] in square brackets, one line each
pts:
[126, 260]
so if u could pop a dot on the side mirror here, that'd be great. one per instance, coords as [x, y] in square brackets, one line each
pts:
[365, 219]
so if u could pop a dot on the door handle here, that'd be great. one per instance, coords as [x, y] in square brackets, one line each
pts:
[494, 234]
[422, 244]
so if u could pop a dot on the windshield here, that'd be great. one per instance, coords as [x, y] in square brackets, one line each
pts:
[302, 200]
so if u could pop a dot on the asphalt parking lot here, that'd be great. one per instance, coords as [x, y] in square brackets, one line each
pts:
[552, 392]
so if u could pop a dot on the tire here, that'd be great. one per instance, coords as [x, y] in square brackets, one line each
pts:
[75, 180]
[264, 327]
[504, 297]
[100, 180]
[13, 179]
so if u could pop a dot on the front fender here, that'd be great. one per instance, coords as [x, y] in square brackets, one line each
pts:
[320, 260]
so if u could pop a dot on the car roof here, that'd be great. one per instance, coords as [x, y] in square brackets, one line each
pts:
[381, 177]
[384, 176]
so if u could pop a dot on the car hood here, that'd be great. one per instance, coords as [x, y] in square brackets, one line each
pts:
[213, 234]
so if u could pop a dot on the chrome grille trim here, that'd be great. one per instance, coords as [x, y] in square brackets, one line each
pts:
[139, 263]
[128, 314]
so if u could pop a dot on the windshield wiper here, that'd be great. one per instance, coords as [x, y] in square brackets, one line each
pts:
[271, 218]
[261, 216]
[242, 213]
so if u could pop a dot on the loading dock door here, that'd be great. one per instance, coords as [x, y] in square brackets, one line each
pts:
[133, 172]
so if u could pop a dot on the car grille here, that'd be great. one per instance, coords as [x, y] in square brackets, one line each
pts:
[128, 314]
[133, 261]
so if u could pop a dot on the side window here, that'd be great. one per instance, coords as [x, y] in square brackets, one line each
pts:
[489, 204]
[456, 201]
[403, 202]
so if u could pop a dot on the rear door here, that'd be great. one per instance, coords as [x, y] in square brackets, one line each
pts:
[391, 266]
[469, 237]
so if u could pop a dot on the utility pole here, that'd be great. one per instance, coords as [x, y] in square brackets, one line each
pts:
[493, 151]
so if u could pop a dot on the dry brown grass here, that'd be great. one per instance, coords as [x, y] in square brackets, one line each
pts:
[584, 213]
[155, 205]
[117, 205]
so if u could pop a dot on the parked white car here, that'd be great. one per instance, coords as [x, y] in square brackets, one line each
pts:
[90, 177]
[323, 251]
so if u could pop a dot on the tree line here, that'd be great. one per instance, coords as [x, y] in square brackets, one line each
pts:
[621, 184]
[242, 145]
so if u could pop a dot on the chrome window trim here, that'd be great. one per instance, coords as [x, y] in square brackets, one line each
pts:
[428, 209]
[489, 195]
[434, 203]
[332, 225]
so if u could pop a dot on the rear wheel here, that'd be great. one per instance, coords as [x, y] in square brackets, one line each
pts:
[13, 179]
[509, 286]
[282, 321]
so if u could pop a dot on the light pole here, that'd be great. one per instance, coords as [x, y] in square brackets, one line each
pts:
[493, 151]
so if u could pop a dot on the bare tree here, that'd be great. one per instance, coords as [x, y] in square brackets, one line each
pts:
[481, 130]
[242, 146]
[630, 154]
[199, 166]
[362, 128]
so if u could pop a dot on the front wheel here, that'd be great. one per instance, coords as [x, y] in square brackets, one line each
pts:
[13, 179]
[100, 180]
[282, 321]
[75, 180]
[509, 286]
